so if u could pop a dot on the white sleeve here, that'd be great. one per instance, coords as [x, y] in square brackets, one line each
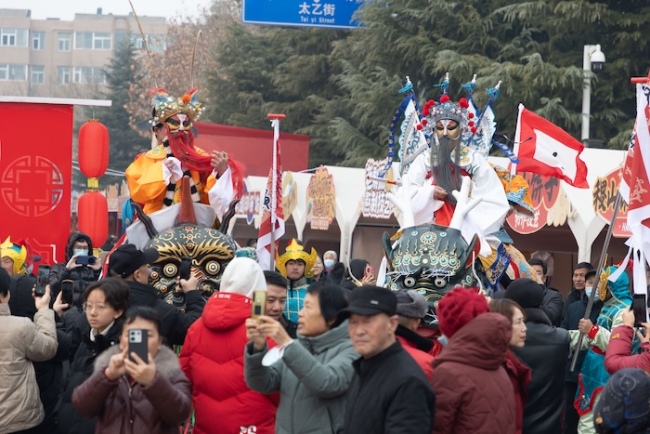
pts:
[173, 175]
[489, 215]
[221, 193]
[423, 204]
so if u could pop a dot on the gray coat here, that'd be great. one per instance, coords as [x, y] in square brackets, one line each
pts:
[313, 378]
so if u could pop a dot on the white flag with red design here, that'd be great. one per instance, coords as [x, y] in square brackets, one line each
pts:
[635, 189]
[272, 206]
[546, 149]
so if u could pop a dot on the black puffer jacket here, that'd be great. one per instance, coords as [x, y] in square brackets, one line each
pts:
[174, 323]
[49, 374]
[545, 352]
[81, 368]
[81, 276]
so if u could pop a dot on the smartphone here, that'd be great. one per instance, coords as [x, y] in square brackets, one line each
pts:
[259, 304]
[67, 292]
[41, 280]
[138, 343]
[186, 268]
[640, 309]
[85, 260]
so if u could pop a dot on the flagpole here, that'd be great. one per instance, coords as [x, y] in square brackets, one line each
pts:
[599, 270]
[275, 123]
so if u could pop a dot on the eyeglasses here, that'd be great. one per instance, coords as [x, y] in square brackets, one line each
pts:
[89, 307]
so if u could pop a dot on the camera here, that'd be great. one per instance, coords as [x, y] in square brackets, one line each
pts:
[597, 60]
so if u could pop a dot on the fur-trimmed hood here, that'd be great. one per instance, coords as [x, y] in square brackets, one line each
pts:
[166, 360]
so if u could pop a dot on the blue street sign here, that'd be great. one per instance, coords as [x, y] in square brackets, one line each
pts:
[304, 13]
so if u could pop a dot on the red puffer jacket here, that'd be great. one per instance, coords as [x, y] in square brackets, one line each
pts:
[473, 391]
[213, 360]
[619, 349]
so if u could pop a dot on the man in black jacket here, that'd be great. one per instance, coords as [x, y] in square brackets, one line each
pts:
[570, 322]
[552, 304]
[132, 265]
[545, 352]
[389, 392]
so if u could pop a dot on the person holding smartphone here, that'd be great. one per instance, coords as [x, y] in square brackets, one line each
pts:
[619, 350]
[21, 343]
[99, 329]
[127, 394]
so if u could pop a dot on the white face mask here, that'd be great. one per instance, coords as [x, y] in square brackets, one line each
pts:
[79, 252]
[329, 264]
[588, 290]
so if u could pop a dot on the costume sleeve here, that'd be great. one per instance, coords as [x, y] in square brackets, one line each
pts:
[263, 379]
[619, 351]
[410, 410]
[574, 336]
[487, 216]
[423, 204]
[220, 192]
[322, 380]
[145, 177]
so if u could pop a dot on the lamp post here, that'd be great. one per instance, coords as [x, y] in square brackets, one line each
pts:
[592, 60]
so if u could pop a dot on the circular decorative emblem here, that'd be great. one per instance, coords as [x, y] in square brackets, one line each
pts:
[32, 186]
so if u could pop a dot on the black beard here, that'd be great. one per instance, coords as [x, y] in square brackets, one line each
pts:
[442, 169]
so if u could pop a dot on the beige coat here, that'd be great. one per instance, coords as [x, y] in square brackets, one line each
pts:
[21, 342]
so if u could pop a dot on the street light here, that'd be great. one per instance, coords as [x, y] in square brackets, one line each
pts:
[592, 60]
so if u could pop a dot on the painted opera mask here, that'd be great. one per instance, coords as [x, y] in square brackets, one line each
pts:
[209, 249]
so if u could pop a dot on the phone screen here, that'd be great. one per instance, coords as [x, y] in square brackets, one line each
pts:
[67, 291]
[138, 343]
[259, 304]
[186, 268]
[640, 309]
[41, 280]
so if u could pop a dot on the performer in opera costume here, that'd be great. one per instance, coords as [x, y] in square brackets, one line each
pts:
[439, 172]
[154, 176]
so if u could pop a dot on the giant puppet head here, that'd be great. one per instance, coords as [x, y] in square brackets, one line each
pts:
[210, 250]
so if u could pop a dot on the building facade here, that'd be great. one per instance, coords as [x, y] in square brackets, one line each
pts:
[55, 58]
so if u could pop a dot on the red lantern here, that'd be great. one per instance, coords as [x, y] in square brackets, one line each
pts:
[93, 217]
[93, 148]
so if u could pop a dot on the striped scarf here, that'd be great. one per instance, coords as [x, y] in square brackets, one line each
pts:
[173, 187]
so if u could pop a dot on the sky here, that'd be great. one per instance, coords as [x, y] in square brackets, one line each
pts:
[65, 9]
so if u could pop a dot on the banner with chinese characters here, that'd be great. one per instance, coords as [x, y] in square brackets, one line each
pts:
[289, 195]
[320, 200]
[375, 199]
[544, 191]
[603, 196]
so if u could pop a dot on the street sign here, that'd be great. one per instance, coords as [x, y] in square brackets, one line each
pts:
[302, 13]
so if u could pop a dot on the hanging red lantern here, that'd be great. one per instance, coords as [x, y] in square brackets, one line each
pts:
[93, 148]
[93, 216]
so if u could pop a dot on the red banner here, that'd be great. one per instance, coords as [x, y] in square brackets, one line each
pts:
[35, 175]
[544, 191]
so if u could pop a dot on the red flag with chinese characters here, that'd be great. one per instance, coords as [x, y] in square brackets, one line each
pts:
[272, 208]
[546, 149]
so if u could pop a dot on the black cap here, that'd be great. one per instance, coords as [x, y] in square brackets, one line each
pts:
[128, 258]
[370, 300]
[526, 292]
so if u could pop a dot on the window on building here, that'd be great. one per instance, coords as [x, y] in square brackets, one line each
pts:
[14, 37]
[13, 72]
[102, 41]
[38, 40]
[63, 74]
[99, 76]
[65, 39]
[37, 74]
[92, 41]
[155, 42]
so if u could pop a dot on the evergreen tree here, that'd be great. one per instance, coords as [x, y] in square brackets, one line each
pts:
[125, 143]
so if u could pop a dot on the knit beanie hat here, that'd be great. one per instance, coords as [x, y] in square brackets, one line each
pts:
[243, 276]
[526, 292]
[458, 307]
[623, 405]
